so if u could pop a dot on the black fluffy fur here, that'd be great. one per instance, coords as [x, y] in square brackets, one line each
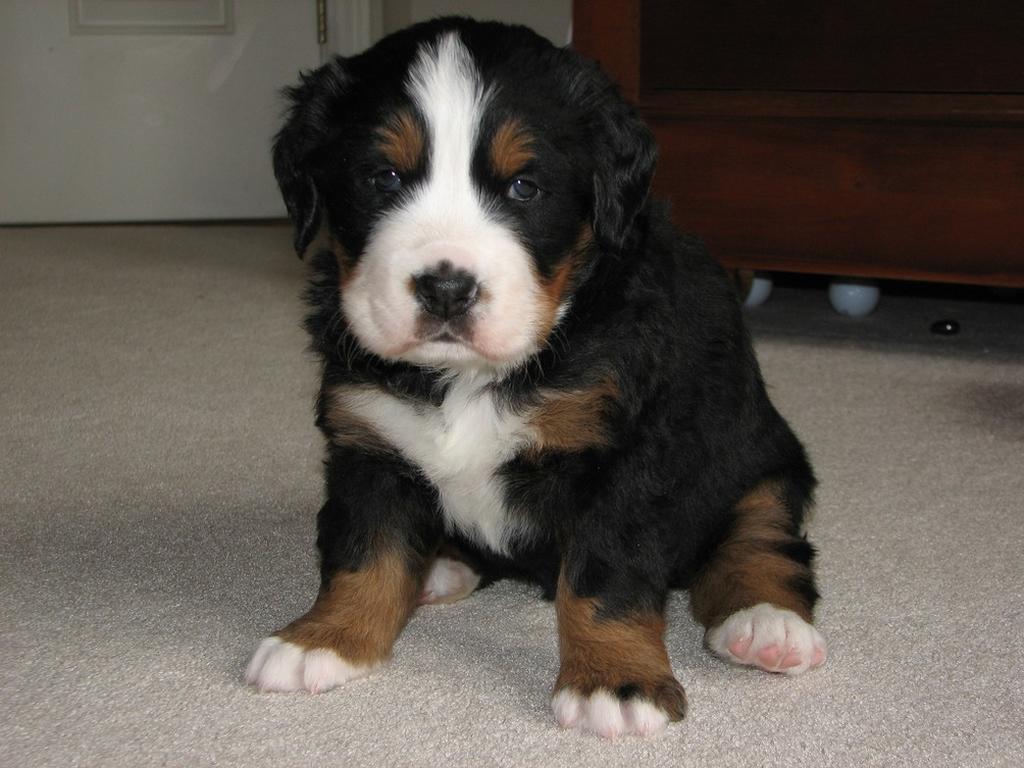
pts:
[693, 430]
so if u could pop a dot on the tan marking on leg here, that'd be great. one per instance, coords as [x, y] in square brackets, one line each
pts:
[749, 567]
[361, 613]
[510, 149]
[615, 655]
[401, 141]
[573, 421]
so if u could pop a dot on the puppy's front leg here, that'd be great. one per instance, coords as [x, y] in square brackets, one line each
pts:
[615, 678]
[347, 633]
[372, 570]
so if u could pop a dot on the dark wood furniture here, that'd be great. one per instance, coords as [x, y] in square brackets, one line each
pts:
[877, 138]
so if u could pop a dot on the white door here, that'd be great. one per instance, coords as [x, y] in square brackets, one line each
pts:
[145, 110]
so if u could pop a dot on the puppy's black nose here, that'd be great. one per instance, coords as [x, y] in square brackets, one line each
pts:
[446, 292]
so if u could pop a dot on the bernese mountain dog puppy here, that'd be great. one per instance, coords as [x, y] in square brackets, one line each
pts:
[528, 372]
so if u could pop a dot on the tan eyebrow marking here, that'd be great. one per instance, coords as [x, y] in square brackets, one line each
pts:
[510, 149]
[401, 141]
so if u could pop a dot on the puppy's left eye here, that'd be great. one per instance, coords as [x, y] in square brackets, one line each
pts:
[387, 180]
[522, 190]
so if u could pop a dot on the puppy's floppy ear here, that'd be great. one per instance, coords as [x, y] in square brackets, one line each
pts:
[305, 130]
[624, 161]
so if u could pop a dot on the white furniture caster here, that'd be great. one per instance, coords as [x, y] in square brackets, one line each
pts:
[760, 290]
[855, 298]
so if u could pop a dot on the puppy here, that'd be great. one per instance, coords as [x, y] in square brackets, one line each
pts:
[527, 371]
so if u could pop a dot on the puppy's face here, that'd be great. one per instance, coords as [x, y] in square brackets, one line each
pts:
[460, 188]
[473, 224]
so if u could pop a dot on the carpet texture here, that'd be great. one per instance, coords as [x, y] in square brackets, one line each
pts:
[160, 476]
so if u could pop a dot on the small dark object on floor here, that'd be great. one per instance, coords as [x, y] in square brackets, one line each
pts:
[946, 327]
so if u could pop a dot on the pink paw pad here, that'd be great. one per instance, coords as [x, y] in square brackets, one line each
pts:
[769, 657]
[739, 648]
[771, 638]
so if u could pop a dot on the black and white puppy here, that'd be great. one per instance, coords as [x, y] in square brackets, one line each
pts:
[527, 371]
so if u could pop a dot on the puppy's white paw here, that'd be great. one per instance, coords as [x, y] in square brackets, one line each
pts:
[281, 666]
[607, 715]
[448, 581]
[774, 639]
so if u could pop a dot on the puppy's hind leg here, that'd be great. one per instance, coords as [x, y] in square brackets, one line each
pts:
[756, 594]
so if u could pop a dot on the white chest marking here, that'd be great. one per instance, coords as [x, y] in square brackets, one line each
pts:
[459, 448]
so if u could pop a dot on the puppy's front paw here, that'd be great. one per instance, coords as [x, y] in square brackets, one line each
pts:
[774, 639]
[625, 712]
[281, 666]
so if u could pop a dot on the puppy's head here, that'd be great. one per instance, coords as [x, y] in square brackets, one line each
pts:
[469, 175]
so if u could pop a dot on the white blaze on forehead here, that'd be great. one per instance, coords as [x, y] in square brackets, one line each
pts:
[445, 85]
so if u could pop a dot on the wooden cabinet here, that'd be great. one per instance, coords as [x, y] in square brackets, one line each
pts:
[878, 139]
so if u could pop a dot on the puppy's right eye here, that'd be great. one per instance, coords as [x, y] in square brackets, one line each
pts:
[387, 180]
[522, 190]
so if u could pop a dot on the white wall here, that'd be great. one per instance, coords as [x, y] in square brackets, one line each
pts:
[130, 127]
[135, 127]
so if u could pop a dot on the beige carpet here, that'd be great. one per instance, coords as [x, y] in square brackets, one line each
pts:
[159, 478]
